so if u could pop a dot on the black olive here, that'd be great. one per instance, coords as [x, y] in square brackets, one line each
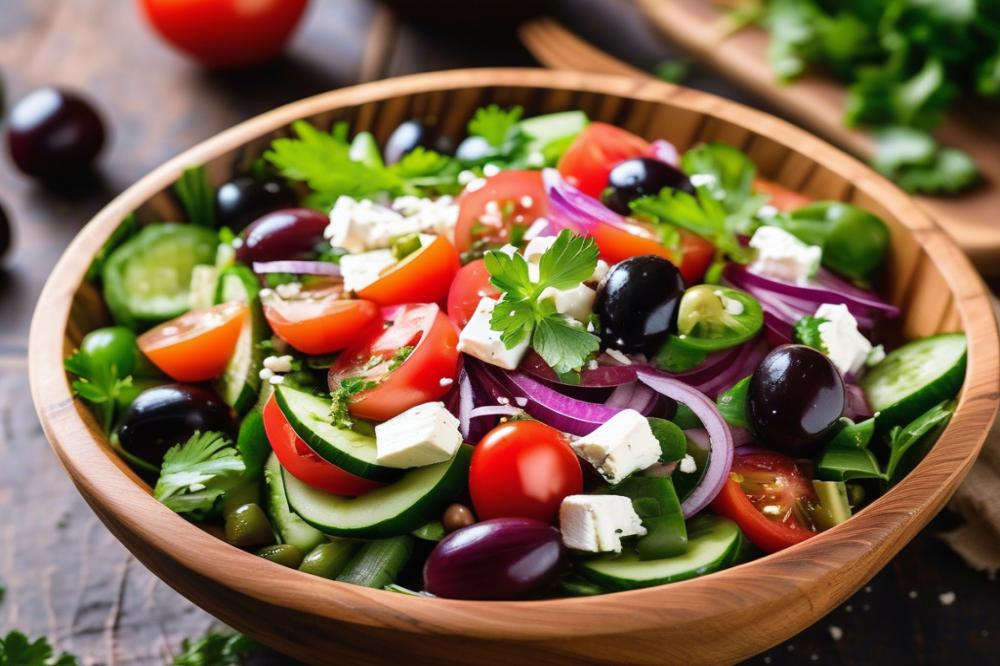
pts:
[242, 200]
[413, 133]
[637, 303]
[795, 398]
[640, 177]
[166, 415]
[5, 232]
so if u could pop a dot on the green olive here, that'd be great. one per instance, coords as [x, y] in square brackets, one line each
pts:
[284, 554]
[110, 350]
[249, 526]
[327, 560]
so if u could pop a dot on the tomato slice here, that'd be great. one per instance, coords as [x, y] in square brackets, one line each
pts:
[303, 463]
[471, 284]
[196, 346]
[634, 239]
[489, 213]
[320, 321]
[782, 198]
[403, 379]
[594, 153]
[770, 498]
[523, 469]
[422, 277]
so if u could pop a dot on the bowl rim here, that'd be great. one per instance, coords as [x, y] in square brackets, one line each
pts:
[858, 547]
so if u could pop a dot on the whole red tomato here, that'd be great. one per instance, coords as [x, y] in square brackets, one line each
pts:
[226, 33]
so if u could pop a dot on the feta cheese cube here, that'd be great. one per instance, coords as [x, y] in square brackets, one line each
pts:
[597, 523]
[363, 225]
[278, 363]
[621, 446]
[433, 216]
[479, 340]
[360, 270]
[600, 271]
[782, 256]
[845, 345]
[576, 302]
[538, 246]
[422, 435]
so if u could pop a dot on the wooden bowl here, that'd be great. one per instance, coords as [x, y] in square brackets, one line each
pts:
[719, 618]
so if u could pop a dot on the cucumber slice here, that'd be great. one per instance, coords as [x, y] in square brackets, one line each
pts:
[147, 279]
[393, 510]
[204, 279]
[914, 378]
[543, 130]
[239, 385]
[290, 528]
[351, 451]
[713, 543]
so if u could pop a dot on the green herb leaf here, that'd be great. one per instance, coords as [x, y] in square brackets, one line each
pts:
[909, 444]
[806, 332]
[215, 649]
[194, 475]
[399, 356]
[495, 124]
[101, 387]
[563, 343]
[341, 399]
[197, 196]
[17, 650]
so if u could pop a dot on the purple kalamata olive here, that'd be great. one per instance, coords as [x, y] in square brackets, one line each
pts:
[289, 233]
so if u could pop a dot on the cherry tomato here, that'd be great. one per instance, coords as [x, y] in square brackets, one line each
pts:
[588, 161]
[519, 197]
[303, 463]
[617, 244]
[523, 469]
[770, 499]
[471, 284]
[403, 379]
[197, 345]
[226, 33]
[320, 321]
[782, 198]
[422, 277]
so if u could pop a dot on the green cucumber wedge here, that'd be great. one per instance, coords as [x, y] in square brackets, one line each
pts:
[239, 385]
[392, 510]
[713, 543]
[290, 528]
[349, 450]
[914, 378]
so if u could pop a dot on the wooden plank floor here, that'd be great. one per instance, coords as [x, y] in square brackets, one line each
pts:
[65, 575]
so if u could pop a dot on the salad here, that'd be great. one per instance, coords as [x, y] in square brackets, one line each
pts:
[555, 359]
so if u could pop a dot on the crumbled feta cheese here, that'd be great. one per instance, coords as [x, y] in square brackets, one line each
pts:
[491, 170]
[509, 250]
[592, 363]
[536, 247]
[618, 356]
[478, 339]
[465, 177]
[289, 290]
[276, 380]
[730, 305]
[596, 523]
[520, 401]
[600, 271]
[536, 158]
[767, 211]
[702, 179]
[477, 184]
[688, 465]
[265, 293]
[836, 633]
[947, 598]
[527, 201]
[782, 256]
[278, 363]
[422, 435]
[360, 270]
[434, 216]
[876, 356]
[846, 347]
[265, 374]
[622, 445]
[577, 302]
[536, 228]
[363, 225]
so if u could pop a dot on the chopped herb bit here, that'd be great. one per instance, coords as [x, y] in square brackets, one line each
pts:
[400, 356]
[341, 399]
[17, 650]
[215, 649]
[806, 332]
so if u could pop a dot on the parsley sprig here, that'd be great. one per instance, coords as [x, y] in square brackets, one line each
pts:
[16, 649]
[522, 314]
[197, 196]
[341, 399]
[215, 648]
[102, 386]
[195, 474]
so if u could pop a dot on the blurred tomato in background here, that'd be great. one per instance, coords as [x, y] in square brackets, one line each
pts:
[226, 34]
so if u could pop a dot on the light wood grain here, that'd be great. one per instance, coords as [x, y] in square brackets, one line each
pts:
[716, 619]
[818, 104]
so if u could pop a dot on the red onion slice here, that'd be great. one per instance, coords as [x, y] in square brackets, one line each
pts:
[297, 267]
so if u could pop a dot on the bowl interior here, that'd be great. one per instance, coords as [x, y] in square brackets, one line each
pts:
[926, 276]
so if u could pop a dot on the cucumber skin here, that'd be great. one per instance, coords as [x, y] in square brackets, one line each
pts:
[426, 508]
[249, 391]
[330, 452]
[944, 388]
[290, 528]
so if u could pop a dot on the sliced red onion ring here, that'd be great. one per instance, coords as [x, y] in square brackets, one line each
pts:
[297, 267]
[601, 376]
[569, 208]
[856, 407]
[720, 450]
[466, 403]
[495, 410]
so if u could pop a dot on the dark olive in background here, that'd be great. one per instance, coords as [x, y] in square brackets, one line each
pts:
[640, 177]
[54, 135]
[795, 399]
[411, 134]
[481, 17]
[289, 233]
[242, 200]
[5, 232]
[166, 415]
[637, 304]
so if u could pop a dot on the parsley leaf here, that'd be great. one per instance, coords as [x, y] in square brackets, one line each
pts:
[913, 159]
[101, 386]
[197, 196]
[400, 356]
[497, 126]
[563, 342]
[341, 399]
[17, 650]
[806, 332]
[215, 649]
[197, 473]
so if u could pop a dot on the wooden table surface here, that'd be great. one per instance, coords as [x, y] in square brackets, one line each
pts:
[65, 575]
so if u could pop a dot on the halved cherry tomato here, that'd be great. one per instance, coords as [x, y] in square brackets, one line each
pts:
[523, 469]
[770, 498]
[782, 198]
[617, 244]
[594, 153]
[422, 277]
[519, 197]
[197, 345]
[303, 463]
[471, 284]
[320, 321]
[403, 379]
